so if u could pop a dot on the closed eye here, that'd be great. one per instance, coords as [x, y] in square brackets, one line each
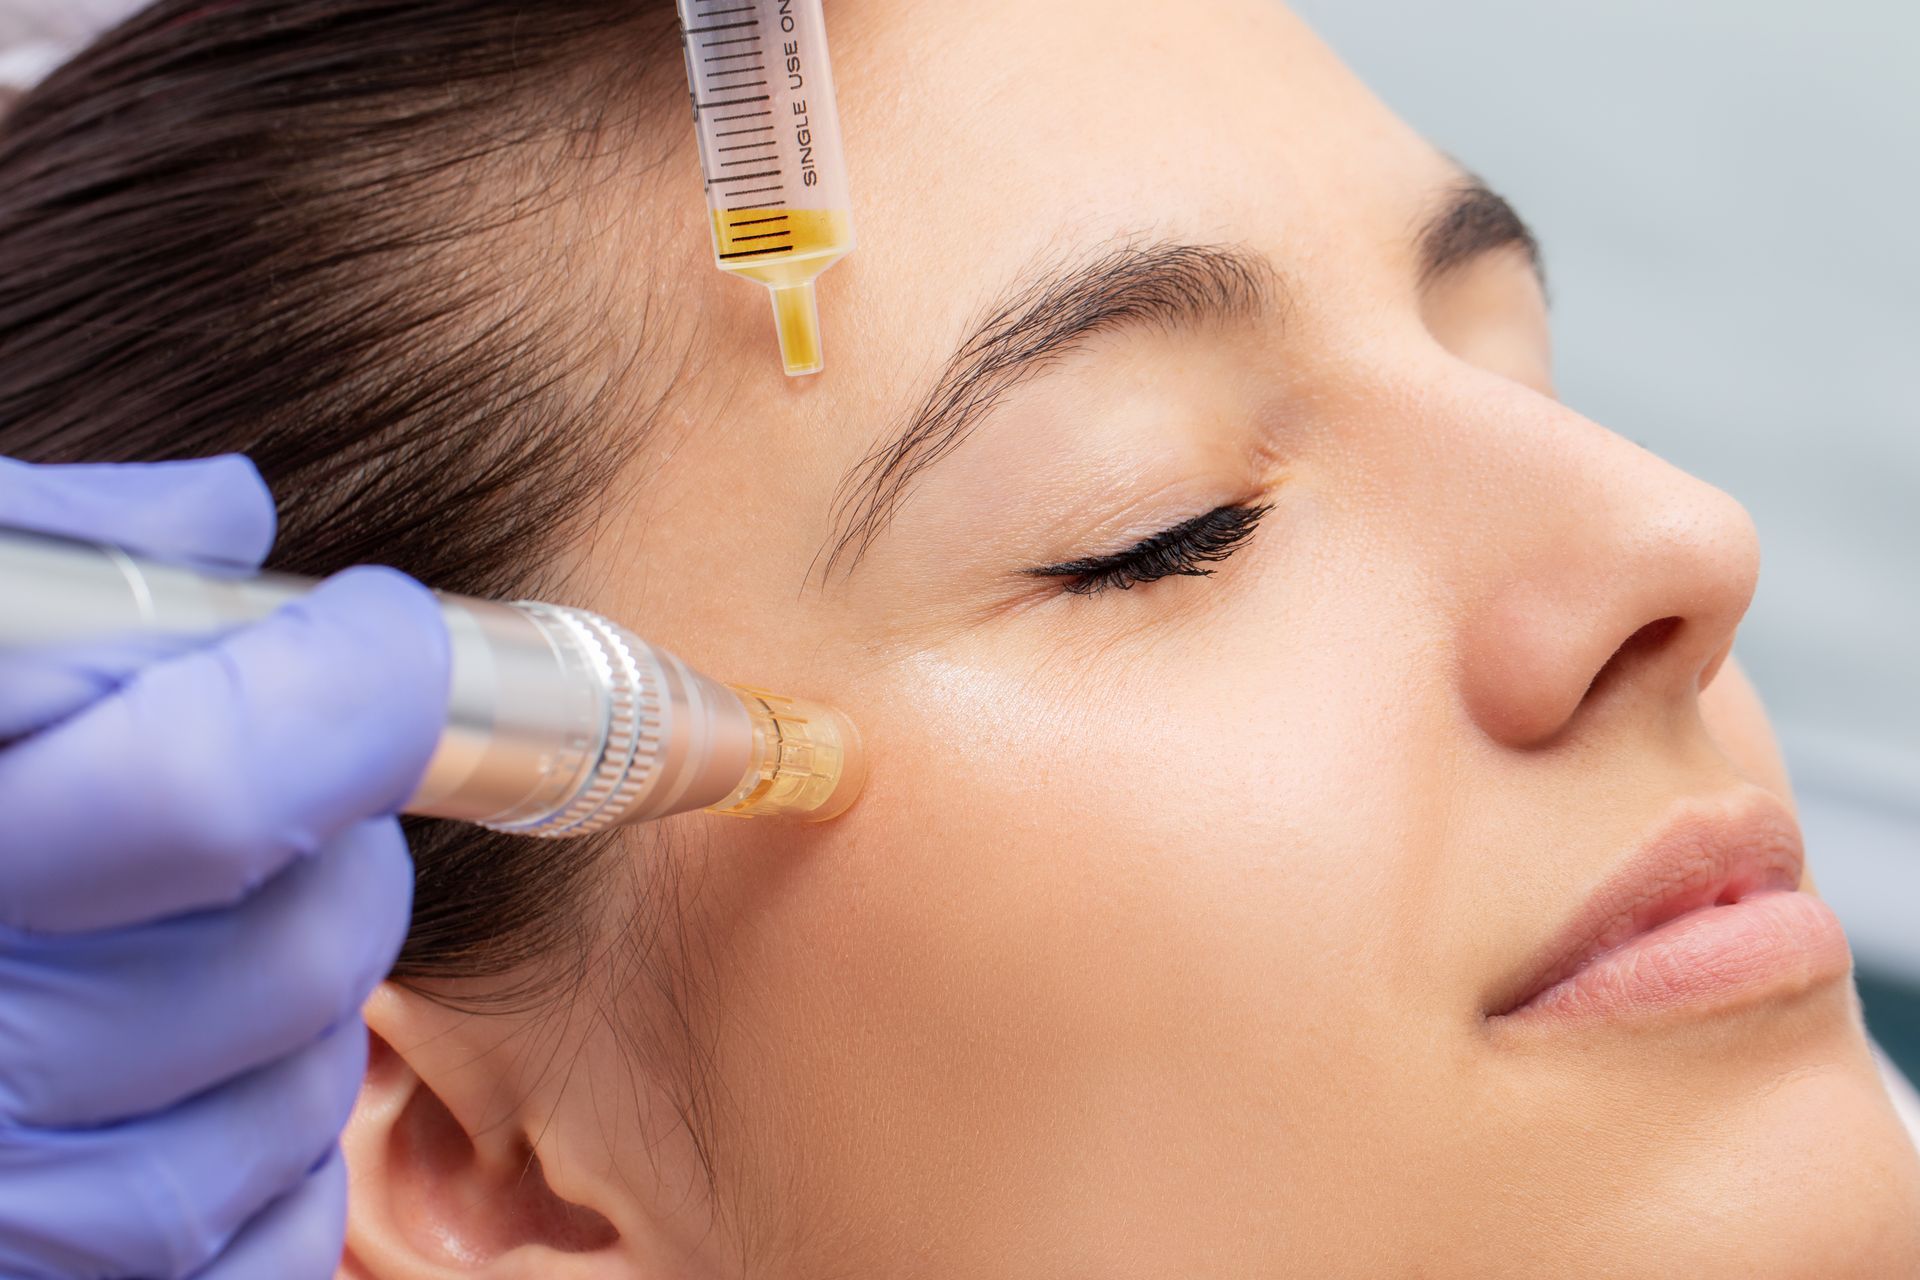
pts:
[1186, 550]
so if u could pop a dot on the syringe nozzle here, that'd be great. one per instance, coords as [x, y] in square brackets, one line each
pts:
[796, 317]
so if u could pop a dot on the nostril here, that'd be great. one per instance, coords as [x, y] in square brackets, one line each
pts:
[1651, 637]
[1648, 639]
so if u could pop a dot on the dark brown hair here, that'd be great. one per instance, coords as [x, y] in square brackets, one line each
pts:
[324, 233]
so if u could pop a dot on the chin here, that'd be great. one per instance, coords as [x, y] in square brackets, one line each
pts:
[1812, 1178]
[1751, 1145]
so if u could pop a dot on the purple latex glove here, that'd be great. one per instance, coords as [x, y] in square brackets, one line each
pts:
[201, 880]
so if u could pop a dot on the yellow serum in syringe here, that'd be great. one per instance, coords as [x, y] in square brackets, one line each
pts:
[785, 250]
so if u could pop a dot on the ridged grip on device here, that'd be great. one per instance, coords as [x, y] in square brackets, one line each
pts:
[629, 755]
[614, 730]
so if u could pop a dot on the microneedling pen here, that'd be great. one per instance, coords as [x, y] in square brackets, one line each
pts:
[561, 723]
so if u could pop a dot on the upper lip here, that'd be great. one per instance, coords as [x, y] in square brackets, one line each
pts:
[1707, 851]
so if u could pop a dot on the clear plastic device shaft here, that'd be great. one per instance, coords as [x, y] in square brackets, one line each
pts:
[560, 723]
[769, 132]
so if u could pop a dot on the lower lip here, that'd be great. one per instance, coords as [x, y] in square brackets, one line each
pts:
[1765, 947]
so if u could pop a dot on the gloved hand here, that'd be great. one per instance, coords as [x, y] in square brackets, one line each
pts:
[38, 35]
[200, 882]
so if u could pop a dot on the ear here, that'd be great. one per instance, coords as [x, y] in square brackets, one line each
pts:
[445, 1180]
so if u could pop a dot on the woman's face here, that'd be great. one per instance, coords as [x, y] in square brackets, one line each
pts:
[1169, 934]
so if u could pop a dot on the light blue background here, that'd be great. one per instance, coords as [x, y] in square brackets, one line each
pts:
[1728, 192]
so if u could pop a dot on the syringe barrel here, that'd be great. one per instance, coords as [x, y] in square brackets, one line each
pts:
[768, 126]
[765, 109]
[560, 723]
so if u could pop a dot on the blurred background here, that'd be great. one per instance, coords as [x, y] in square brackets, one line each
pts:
[1727, 191]
[36, 35]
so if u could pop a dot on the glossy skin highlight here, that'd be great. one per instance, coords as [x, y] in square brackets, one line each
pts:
[1164, 938]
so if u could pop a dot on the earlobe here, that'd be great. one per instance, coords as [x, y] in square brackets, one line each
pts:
[441, 1189]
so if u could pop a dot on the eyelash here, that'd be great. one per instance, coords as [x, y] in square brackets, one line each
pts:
[1182, 551]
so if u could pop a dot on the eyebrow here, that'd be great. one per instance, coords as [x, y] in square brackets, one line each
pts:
[1132, 284]
[1473, 221]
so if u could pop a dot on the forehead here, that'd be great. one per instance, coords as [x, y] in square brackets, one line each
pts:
[980, 134]
[985, 139]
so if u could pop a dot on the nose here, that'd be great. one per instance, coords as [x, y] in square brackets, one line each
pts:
[1607, 576]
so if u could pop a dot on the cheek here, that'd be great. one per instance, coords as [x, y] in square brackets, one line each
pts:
[1108, 913]
[1738, 725]
[1144, 867]
[1198, 803]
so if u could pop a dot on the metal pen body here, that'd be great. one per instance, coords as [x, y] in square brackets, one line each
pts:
[560, 722]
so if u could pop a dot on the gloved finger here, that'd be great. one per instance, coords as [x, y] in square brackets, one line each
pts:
[164, 1197]
[207, 775]
[299, 1237]
[207, 997]
[214, 511]
[38, 689]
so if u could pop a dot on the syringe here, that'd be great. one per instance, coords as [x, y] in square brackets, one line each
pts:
[769, 131]
[560, 722]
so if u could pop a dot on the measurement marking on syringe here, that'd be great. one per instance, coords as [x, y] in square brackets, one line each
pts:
[744, 115]
[753, 191]
[733, 102]
[751, 84]
[729, 57]
[742, 177]
[724, 26]
[721, 44]
[748, 146]
[734, 133]
[728, 164]
[757, 253]
[764, 235]
[760, 222]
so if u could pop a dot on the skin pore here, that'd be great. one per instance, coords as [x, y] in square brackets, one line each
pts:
[1164, 939]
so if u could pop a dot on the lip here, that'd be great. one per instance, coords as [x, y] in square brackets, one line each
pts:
[1706, 914]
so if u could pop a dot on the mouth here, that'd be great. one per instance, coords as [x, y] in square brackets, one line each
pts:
[1706, 914]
